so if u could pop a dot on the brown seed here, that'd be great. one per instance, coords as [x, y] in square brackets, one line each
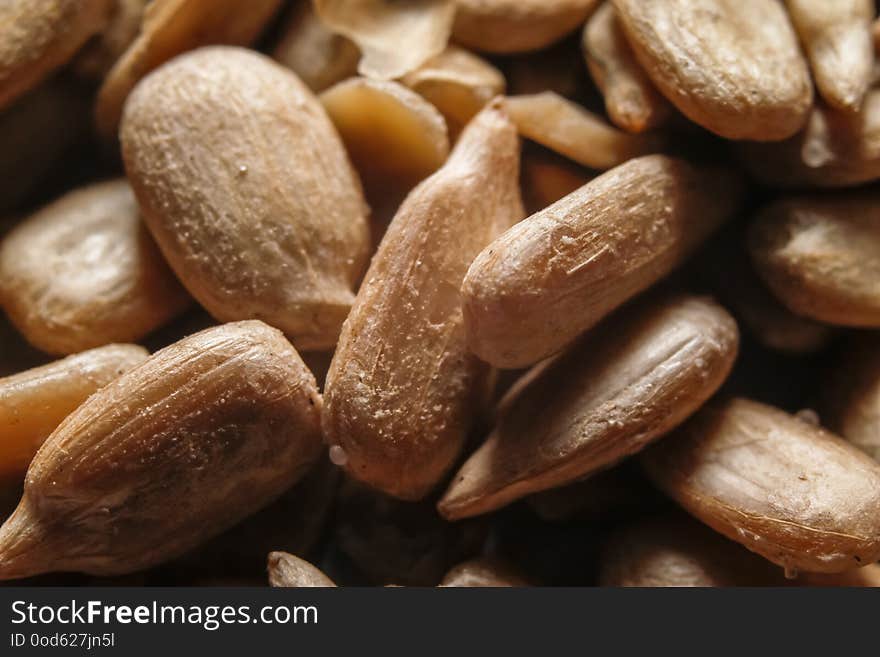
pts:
[548, 279]
[636, 378]
[458, 83]
[572, 131]
[403, 389]
[246, 187]
[792, 492]
[679, 552]
[835, 150]
[631, 100]
[395, 38]
[286, 570]
[106, 47]
[483, 573]
[732, 66]
[202, 434]
[851, 405]
[821, 256]
[84, 272]
[172, 27]
[838, 41]
[317, 55]
[395, 139]
[39, 36]
[510, 26]
[34, 402]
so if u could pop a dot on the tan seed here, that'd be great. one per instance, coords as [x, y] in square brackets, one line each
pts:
[288, 571]
[792, 492]
[34, 402]
[628, 384]
[732, 66]
[548, 279]
[202, 434]
[483, 573]
[402, 389]
[838, 41]
[246, 187]
[84, 272]
[631, 100]
[510, 26]
[821, 256]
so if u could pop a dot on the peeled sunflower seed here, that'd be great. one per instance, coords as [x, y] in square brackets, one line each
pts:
[567, 128]
[102, 52]
[394, 37]
[835, 150]
[483, 572]
[320, 57]
[84, 272]
[402, 390]
[703, 56]
[821, 256]
[38, 37]
[34, 402]
[202, 434]
[675, 551]
[788, 490]
[246, 187]
[551, 277]
[631, 100]
[395, 139]
[172, 27]
[286, 570]
[510, 26]
[629, 383]
[852, 397]
[838, 41]
[458, 83]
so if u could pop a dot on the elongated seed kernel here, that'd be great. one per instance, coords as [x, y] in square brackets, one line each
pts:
[569, 129]
[631, 382]
[672, 550]
[792, 492]
[395, 38]
[821, 256]
[402, 389]
[732, 66]
[483, 572]
[835, 150]
[202, 434]
[458, 83]
[34, 402]
[510, 26]
[851, 404]
[837, 38]
[310, 49]
[84, 272]
[39, 36]
[286, 570]
[395, 138]
[548, 279]
[631, 100]
[172, 27]
[246, 187]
